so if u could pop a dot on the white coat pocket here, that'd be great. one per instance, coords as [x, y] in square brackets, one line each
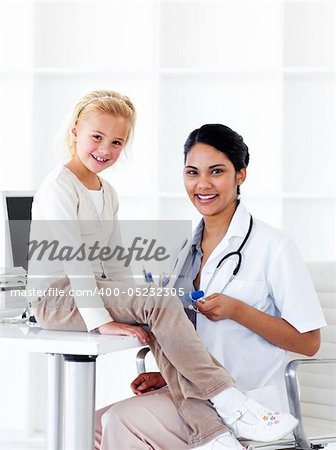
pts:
[253, 293]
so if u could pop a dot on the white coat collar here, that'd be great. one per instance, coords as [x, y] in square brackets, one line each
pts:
[238, 227]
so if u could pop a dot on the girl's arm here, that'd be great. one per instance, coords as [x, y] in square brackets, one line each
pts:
[55, 210]
[116, 268]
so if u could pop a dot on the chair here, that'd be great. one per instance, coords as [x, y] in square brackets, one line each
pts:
[310, 382]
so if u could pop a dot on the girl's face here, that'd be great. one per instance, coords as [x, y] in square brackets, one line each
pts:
[99, 140]
[211, 180]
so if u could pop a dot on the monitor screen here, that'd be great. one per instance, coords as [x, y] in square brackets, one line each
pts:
[18, 213]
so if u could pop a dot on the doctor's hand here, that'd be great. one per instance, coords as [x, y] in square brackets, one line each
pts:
[124, 329]
[147, 381]
[218, 307]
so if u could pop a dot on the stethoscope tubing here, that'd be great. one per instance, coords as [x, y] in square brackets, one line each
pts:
[236, 253]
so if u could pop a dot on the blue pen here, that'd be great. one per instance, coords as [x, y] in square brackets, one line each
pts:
[193, 297]
[148, 276]
[165, 280]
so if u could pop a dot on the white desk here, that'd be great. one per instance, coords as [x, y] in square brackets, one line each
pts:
[71, 398]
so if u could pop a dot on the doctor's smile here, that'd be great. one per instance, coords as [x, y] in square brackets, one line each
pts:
[205, 199]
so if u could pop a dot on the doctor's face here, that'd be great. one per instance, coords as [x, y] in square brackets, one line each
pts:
[211, 180]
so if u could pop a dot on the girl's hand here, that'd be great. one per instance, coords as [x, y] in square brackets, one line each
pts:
[218, 307]
[148, 381]
[124, 329]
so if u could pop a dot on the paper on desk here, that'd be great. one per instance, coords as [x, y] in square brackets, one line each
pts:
[7, 272]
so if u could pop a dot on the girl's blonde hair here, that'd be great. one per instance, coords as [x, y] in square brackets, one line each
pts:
[101, 102]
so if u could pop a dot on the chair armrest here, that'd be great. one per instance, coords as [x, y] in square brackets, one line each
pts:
[140, 359]
[292, 386]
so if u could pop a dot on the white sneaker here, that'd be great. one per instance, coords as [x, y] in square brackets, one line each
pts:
[255, 422]
[226, 441]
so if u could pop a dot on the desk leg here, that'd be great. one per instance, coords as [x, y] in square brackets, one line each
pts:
[79, 408]
[54, 415]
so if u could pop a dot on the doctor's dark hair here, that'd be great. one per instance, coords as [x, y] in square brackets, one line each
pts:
[223, 139]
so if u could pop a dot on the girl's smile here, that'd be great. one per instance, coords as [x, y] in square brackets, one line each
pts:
[99, 159]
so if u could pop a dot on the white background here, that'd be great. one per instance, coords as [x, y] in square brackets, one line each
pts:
[265, 68]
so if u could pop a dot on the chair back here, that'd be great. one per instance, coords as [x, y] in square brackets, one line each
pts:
[318, 381]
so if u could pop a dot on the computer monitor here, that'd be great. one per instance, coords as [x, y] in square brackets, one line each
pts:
[17, 215]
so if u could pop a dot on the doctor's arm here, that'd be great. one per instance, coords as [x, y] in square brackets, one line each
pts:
[276, 330]
[148, 381]
[296, 328]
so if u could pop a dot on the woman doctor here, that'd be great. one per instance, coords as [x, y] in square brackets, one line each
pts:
[259, 300]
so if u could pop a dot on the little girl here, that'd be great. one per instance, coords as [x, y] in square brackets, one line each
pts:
[72, 204]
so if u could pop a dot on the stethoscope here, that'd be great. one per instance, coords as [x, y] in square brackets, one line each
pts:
[238, 254]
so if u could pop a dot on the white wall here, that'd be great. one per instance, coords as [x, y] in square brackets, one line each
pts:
[265, 68]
